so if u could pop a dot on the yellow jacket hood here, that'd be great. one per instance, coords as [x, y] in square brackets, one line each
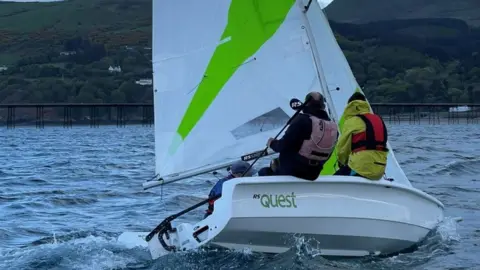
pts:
[356, 107]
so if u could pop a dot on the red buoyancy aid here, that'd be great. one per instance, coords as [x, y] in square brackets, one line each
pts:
[374, 137]
[322, 140]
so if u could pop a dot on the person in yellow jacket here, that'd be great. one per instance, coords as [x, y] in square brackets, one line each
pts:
[362, 146]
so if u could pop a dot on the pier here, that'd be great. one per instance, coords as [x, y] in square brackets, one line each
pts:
[122, 114]
[70, 114]
[428, 113]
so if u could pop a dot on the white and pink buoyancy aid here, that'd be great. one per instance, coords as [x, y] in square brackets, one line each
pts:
[322, 140]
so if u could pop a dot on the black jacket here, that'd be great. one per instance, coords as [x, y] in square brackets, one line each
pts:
[291, 163]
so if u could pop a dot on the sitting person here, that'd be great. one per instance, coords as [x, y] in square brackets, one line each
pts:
[271, 170]
[307, 143]
[362, 146]
[237, 169]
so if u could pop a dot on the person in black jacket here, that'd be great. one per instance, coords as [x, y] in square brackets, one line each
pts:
[307, 143]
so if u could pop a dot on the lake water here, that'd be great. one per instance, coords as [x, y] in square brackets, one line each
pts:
[66, 194]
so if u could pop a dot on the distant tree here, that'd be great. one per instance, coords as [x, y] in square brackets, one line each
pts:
[117, 96]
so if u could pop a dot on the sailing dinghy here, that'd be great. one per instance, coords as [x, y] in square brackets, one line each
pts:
[224, 73]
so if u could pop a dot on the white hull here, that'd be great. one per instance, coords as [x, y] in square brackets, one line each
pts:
[332, 235]
[348, 216]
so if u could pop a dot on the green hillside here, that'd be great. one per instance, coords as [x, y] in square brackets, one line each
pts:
[28, 29]
[61, 52]
[364, 11]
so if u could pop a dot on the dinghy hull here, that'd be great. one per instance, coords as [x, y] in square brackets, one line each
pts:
[342, 237]
[347, 216]
[339, 215]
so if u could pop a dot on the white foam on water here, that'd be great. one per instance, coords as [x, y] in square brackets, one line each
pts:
[91, 252]
[448, 229]
[306, 246]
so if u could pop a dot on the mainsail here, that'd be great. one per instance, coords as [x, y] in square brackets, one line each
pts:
[341, 82]
[224, 73]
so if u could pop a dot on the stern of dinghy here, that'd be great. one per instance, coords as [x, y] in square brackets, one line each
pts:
[165, 238]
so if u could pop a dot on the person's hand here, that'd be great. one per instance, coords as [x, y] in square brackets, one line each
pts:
[270, 140]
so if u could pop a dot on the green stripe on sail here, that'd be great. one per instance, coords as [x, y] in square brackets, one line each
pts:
[330, 167]
[250, 24]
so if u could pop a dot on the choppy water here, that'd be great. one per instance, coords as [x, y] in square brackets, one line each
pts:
[65, 195]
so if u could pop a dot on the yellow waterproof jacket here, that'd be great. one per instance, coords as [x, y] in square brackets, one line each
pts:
[364, 162]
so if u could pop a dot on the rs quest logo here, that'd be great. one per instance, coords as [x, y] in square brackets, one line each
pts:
[277, 200]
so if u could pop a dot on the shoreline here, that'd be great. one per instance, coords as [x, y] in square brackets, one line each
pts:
[145, 123]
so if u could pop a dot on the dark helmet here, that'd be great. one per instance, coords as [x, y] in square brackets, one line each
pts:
[315, 99]
[357, 96]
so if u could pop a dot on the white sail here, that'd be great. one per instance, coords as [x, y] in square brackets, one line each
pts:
[224, 73]
[338, 74]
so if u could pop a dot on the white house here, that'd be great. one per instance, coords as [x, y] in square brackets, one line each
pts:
[68, 53]
[115, 69]
[3, 68]
[144, 82]
[459, 109]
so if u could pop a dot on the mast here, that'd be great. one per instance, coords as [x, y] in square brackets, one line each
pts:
[316, 58]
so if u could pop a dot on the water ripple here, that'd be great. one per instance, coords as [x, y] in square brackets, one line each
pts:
[66, 194]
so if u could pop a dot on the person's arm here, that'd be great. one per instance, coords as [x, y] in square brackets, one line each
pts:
[212, 192]
[217, 188]
[293, 137]
[344, 144]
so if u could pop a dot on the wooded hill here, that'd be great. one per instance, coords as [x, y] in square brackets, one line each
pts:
[364, 11]
[61, 52]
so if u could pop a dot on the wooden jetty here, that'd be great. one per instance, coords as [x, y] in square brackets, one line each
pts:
[122, 114]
